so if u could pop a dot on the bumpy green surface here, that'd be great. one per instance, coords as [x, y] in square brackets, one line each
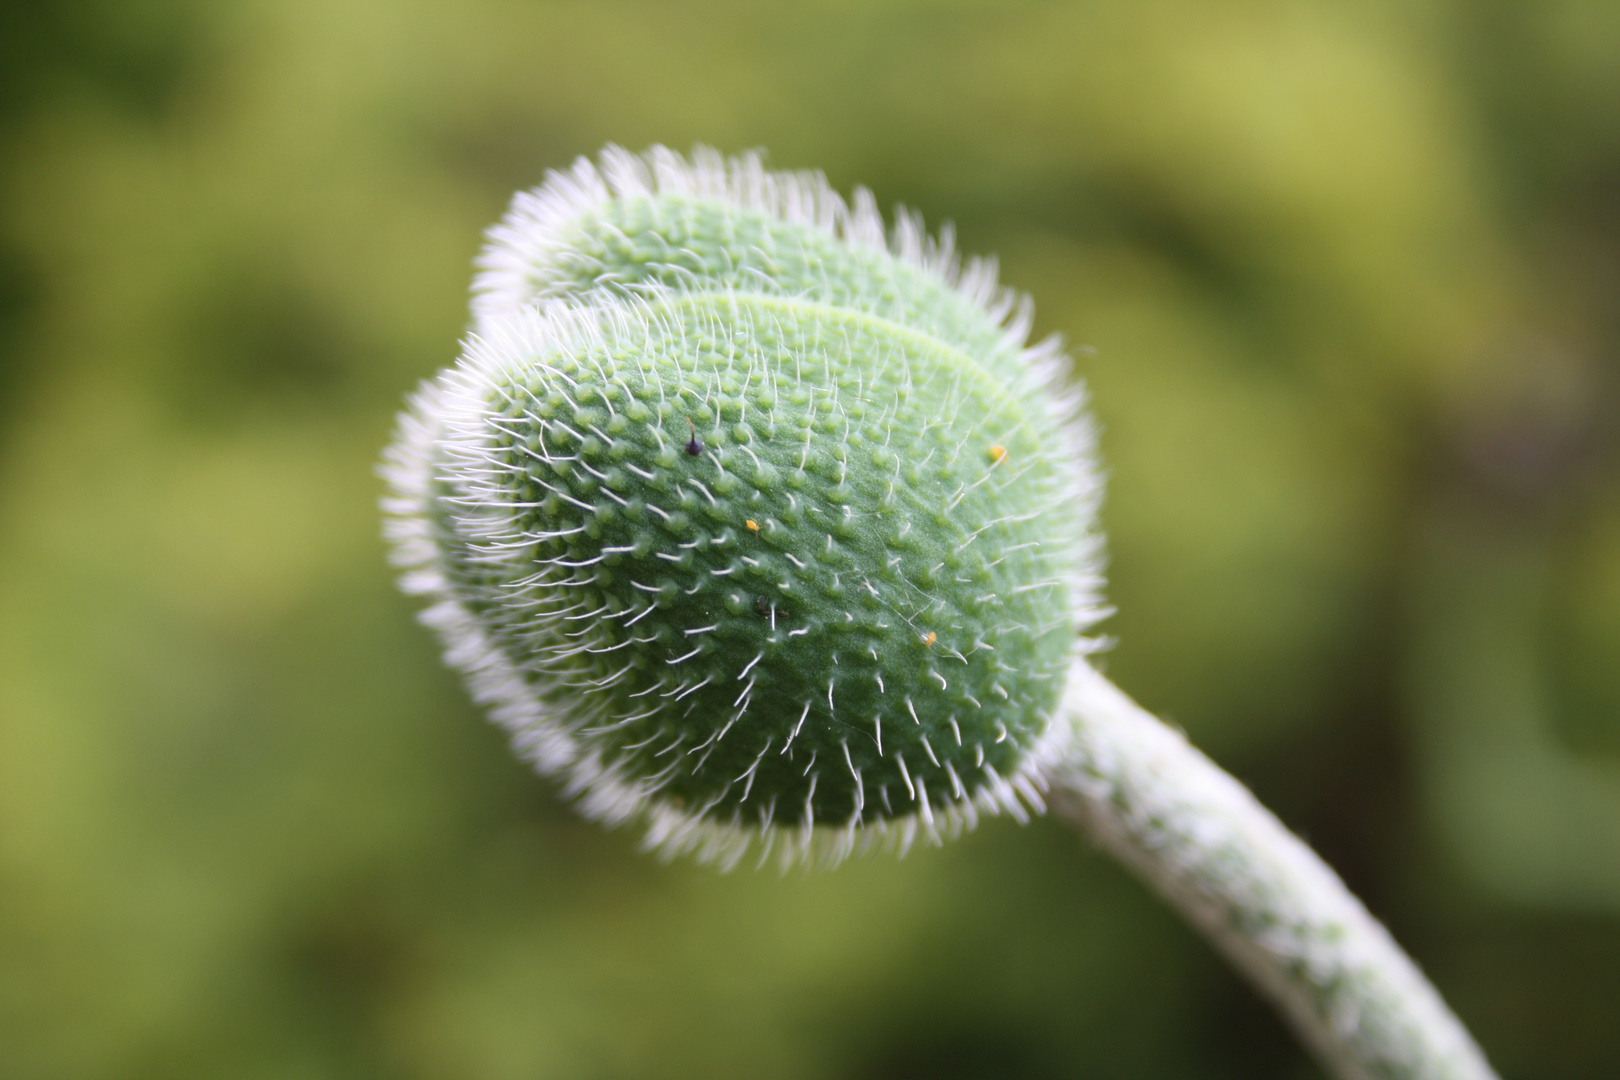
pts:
[692, 244]
[787, 536]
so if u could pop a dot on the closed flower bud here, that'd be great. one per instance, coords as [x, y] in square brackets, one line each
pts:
[749, 518]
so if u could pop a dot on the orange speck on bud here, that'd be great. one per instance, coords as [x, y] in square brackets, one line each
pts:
[998, 453]
[753, 526]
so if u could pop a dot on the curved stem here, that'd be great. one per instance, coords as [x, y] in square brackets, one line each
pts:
[1265, 899]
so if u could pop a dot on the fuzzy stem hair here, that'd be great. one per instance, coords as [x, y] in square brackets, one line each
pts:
[1283, 918]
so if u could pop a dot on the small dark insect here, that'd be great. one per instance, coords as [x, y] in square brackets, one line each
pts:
[761, 606]
[694, 445]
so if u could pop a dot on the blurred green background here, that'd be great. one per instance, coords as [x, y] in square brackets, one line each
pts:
[1344, 279]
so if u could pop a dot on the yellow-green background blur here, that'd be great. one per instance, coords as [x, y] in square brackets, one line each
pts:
[1347, 281]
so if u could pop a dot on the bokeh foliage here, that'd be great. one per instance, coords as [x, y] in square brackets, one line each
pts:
[1345, 278]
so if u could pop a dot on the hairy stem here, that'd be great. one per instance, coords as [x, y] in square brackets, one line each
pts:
[1265, 899]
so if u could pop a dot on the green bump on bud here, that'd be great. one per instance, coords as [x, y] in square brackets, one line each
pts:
[750, 518]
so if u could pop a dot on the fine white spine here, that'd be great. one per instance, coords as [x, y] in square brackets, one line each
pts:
[1267, 901]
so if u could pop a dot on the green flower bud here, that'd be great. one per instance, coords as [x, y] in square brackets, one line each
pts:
[750, 519]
